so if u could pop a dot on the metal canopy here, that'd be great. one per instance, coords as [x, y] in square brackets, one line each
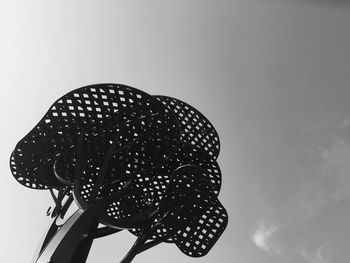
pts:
[130, 161]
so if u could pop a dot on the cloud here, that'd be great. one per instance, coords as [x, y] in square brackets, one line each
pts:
[307, 197]
[262, 238]
[322, 168]
[336, 164]
[315, 256]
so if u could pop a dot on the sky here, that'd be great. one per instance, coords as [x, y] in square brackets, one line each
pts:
[271, 75]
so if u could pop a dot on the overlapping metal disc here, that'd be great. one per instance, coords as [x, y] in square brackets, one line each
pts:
[190, 214]
[144, 160]
[152, 183]
[137, 146]
[86, 111]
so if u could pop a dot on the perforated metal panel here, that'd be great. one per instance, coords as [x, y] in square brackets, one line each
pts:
[201, 218]
[146, 162]
[86, 111]
[196, 128]
[189, 213]
[153, 182]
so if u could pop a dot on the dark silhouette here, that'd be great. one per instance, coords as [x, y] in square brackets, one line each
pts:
[130, 161]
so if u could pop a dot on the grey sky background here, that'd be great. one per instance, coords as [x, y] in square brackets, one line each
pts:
[271, 75]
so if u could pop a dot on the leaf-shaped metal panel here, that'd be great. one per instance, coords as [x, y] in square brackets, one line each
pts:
[200, 219]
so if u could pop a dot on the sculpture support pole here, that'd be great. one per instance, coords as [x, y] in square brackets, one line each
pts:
[139, 243]
[134, 249]
[71, 243]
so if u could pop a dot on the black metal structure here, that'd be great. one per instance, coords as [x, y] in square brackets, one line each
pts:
[129, 160]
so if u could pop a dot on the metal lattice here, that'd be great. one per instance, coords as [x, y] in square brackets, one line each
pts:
[130, 161]
[86, 111]
[196, 128]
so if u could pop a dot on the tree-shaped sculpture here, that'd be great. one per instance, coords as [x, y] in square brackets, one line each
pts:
[129, 160]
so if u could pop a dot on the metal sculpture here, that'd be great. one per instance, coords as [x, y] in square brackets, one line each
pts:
[129, 160]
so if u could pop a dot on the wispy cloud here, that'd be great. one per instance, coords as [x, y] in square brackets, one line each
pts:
[262, 238]
[316, 255]
[336, 163]
[307, 197]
